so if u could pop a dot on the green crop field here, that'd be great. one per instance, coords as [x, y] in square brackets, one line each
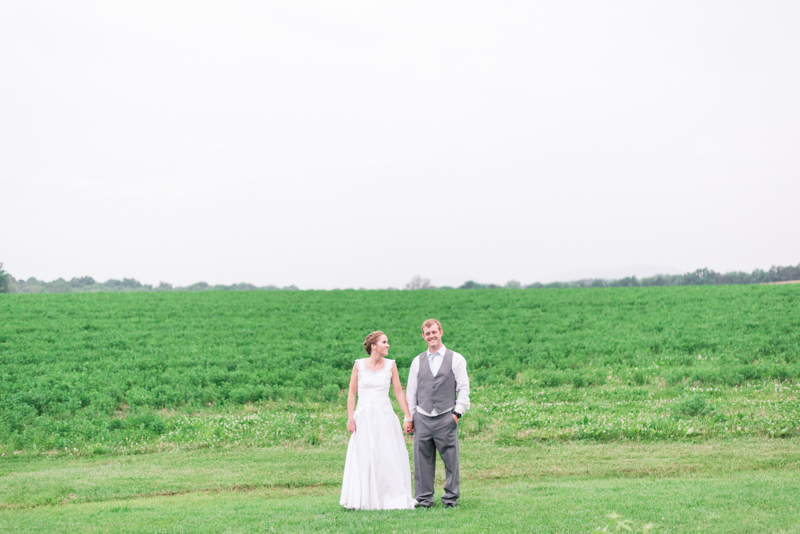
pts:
[89, 381]
[100, 372]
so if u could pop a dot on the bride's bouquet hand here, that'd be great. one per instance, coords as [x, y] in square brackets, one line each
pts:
[351, 425]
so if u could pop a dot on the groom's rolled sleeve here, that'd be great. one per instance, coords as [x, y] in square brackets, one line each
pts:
[462, 383]
[411, 387]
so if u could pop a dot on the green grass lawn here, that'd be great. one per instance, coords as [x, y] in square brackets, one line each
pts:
[745, 502]
[225, 412]
[715, 486]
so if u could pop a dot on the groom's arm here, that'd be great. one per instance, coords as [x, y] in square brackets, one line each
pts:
[411, 387]
[462, 383]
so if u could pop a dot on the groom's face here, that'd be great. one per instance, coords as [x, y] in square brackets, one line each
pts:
[432, 335]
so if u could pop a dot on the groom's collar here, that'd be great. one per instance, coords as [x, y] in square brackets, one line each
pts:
[440, 351]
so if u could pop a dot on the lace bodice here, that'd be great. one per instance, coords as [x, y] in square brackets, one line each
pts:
[373, 386]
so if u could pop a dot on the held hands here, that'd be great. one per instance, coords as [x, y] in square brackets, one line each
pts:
[351, 425]
[408, 427]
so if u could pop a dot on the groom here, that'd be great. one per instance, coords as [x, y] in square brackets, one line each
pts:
[438, 395]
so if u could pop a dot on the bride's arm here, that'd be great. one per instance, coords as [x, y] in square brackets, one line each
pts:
[351, 399]
[398, 392]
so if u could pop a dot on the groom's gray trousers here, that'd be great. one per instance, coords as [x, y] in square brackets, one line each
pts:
[433, 434]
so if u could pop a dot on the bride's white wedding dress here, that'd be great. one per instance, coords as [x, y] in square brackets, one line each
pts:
[377, 474]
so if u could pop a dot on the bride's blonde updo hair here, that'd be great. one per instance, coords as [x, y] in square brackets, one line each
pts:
[371, 340]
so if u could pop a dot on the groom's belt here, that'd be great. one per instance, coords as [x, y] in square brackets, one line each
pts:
[438, 414]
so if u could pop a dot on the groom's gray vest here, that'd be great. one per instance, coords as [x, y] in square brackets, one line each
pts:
[436, 393]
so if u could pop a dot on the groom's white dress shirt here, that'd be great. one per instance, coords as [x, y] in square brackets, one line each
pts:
[435, 363]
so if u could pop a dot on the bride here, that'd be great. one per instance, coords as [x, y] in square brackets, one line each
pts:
[377, 474]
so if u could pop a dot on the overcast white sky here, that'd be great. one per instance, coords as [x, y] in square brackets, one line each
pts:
[355, 144]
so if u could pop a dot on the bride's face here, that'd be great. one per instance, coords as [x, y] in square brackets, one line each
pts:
[382, 346]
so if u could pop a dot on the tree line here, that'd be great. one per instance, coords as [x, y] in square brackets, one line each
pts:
[87, 284]
[700, 277]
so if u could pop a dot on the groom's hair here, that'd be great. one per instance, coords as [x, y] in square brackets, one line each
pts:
[430, 322]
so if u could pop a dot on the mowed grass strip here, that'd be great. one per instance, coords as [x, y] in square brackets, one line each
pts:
[40, 482]
[743, 502]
